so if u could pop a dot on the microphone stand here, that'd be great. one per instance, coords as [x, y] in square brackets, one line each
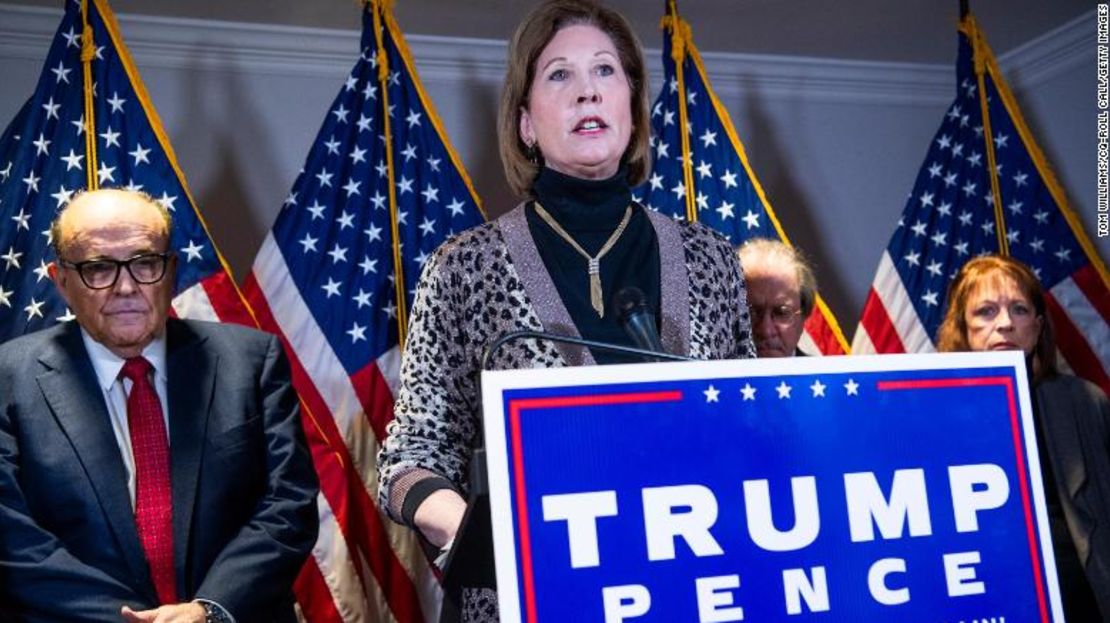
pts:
[646, 355]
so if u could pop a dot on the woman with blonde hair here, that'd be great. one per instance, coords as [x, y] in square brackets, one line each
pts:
[573, 130]
[997, 303]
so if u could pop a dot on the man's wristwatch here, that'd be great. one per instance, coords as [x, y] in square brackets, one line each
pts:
[214, 613]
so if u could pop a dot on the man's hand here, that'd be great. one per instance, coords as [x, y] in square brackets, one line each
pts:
[175, 613]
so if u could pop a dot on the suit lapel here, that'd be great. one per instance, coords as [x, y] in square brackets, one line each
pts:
[70, 387]
[191, 374]
[1062, 436]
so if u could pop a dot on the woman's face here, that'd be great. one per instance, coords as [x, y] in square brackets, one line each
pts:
[1000, 317]
[579, 110]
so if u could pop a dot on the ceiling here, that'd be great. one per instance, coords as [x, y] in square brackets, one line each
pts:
[920, 31]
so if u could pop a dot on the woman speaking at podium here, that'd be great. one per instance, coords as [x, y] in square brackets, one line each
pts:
[573, 131]
[997, 303]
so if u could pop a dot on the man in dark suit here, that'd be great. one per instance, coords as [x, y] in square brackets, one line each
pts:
[151, 469]
[782, 291]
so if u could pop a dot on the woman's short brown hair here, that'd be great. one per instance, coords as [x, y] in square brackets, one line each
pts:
[952, 336]
[532, 36]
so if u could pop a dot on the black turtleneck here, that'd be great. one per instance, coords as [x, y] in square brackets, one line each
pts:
[590, 210]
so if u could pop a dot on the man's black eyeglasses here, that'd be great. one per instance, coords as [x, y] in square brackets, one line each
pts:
[100, 274]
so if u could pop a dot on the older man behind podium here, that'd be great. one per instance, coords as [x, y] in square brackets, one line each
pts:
[782, 291]
[150, 468]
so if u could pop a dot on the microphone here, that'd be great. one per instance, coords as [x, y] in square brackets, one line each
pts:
[647, 355]
[636, 319]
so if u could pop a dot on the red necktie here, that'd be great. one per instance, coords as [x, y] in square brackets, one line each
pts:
[153, 494]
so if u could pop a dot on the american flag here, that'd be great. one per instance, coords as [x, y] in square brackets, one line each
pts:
[381, 188]
[951, 217]
[59, 144]
[704, 175]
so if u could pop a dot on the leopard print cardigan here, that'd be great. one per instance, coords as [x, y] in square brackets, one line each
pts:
[490, 280]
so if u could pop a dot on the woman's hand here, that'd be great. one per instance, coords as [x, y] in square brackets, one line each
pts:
[439, 516]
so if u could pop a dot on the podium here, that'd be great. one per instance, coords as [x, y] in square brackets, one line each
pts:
[470, 561]
[898, 487]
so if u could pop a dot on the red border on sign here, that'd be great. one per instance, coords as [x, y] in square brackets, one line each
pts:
[1015, 427]
[515, 408]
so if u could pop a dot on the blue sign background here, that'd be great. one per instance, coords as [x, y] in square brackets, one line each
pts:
[713, 436]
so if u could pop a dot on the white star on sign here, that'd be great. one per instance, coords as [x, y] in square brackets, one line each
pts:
[712, 394]
[818, 388]
[784, 390]
[748, 391]
[852, 388]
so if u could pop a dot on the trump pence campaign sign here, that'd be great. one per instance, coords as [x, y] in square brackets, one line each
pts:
[897, 488]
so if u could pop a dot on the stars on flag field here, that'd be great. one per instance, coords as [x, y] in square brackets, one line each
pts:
[45, 165]
[795, 388]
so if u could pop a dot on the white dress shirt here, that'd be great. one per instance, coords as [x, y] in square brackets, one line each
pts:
[115, 390]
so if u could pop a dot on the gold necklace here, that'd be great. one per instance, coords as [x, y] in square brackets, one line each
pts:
[593, 263]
